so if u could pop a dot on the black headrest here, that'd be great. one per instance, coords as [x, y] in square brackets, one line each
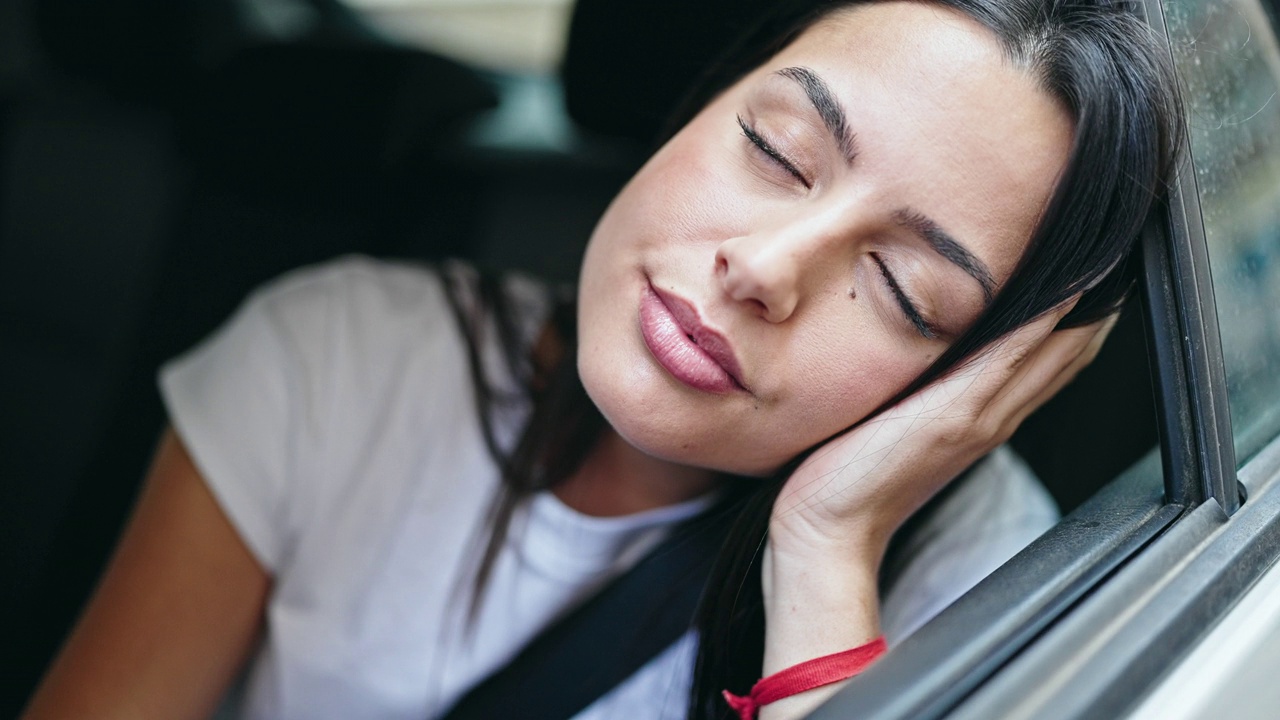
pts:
[136, 48]
[628, 63]
[304, 109]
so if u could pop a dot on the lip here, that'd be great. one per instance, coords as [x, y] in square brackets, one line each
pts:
[690, 351]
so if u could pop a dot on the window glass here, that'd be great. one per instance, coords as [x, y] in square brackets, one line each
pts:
[1226, 58]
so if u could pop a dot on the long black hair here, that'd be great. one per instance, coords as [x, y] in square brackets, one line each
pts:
[1097, 58]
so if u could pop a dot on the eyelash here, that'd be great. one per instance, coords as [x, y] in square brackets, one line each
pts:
[773, 153]
[904, 302]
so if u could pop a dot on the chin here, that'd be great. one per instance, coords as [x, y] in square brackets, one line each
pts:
[662, 422]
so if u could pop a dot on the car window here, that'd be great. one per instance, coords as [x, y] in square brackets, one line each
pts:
[1227, 61]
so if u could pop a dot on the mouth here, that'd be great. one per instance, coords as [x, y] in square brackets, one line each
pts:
[687, 349]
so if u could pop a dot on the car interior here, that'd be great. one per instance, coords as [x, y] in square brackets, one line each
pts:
[160, 160]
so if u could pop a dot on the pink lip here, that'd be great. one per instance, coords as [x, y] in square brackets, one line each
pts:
[691, 352]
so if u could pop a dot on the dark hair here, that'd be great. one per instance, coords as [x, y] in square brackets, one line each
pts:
[1096, 57]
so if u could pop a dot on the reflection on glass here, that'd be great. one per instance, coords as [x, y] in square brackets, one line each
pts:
[1227, 62]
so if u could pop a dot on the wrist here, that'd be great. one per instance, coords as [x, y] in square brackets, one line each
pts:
[849, 548]
[800, 688]
[817, 605]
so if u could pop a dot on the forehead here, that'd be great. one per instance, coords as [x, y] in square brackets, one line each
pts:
[945, 123]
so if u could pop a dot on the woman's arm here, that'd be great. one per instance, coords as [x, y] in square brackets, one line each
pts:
[835, 515]
[175, 616]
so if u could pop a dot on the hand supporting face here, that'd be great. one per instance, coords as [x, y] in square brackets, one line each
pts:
[836, 513]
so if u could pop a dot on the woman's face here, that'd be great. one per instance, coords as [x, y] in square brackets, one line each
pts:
[815, 237]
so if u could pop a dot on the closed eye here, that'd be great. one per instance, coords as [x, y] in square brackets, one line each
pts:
[904, 302]
[774, 155]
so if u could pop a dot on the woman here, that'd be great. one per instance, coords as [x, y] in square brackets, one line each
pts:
[842, 275]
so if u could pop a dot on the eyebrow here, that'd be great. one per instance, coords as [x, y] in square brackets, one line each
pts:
[948, 247]
[829, 109]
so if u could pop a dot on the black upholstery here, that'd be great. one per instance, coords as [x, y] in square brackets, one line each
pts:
[87, 204]
[627, 65]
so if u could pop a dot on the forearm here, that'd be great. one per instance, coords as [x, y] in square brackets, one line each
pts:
[816, 604]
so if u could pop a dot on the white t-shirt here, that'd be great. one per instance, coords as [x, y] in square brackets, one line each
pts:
[333, 419]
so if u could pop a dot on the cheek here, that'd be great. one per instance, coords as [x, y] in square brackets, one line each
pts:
[689, 192]
[847, 377]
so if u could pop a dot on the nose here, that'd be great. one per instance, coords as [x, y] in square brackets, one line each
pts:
[768, 270]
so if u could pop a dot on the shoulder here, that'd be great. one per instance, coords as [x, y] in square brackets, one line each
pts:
[319, 371]
[310, 343]
[357, 314]
[1003, 494]
[995, 511]
[353, 288]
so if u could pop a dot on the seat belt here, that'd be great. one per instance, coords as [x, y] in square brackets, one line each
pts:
[585, 654]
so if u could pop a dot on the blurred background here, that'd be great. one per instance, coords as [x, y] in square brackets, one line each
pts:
[161, 158]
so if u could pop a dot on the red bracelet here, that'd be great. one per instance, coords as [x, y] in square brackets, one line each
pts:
[807, 675]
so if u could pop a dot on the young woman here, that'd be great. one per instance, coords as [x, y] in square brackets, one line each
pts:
[887, 235]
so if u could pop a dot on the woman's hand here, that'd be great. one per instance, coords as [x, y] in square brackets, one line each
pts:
[858, 488]
[835, 515]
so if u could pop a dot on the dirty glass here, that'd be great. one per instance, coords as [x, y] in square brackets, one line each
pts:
[1227, 62]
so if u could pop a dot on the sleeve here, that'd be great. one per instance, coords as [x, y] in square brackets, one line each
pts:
[322, 380]
[242, 401]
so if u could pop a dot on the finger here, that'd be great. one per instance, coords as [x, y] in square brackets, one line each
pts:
[1052, 366]
[1082, 360]
[974, 392]
[1014, 347]
[990, 371]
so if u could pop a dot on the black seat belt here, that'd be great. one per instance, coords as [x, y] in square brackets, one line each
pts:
[585, 654]
[581, 657]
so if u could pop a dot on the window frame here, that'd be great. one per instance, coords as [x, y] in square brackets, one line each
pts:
[1195, 421]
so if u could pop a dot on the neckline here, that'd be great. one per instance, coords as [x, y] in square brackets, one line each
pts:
[564, 543]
